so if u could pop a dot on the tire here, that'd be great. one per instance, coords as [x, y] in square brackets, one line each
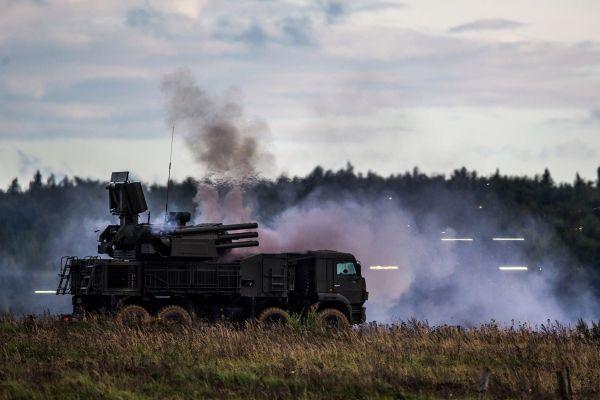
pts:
[174, 314]
[332, 318]
[132, 315]
[272, 316]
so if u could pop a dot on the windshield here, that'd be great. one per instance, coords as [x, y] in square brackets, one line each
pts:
[346, 268]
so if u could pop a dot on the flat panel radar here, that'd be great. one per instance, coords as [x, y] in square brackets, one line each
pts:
[125, 198]
[119, 177]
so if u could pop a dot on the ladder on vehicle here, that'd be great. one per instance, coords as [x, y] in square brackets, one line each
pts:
[88, 274]
[277, 282]
[64, 284]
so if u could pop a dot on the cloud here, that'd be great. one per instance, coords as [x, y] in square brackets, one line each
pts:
[26, 162]
[487, 25]
[166, 20]
[297, 30]
[334, 11]
[251, 33]
[379, 6]
[258, 31]
[581, 119]
[92, 70]
[147, 19]
[570, 149]
[191, 9]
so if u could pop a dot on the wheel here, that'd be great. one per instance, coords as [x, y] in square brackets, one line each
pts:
[272, 316]
[132, 315]
[175, 314]
[333, 318]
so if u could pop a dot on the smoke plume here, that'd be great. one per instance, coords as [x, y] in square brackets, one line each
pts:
[443, 282]
[223, 141]
[229, 147]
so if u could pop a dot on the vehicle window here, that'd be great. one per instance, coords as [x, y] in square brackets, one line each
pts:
[346, 268]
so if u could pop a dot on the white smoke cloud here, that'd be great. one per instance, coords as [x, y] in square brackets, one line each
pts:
[18, 281]
[443, 282]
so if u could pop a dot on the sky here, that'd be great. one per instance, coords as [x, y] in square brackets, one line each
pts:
[384, 85]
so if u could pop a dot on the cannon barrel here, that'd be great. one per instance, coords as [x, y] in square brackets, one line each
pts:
[233, 245]
[240, 235]
[216, 228]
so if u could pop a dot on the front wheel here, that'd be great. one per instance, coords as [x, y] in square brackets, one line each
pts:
[332, 318]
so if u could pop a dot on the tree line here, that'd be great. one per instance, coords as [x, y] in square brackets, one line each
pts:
[566, 215]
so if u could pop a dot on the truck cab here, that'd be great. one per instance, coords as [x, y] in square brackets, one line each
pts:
[339, 282]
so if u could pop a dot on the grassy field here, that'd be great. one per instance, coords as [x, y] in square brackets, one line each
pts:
[46, 358]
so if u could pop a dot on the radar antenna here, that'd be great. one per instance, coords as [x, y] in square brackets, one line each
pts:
[169, 175]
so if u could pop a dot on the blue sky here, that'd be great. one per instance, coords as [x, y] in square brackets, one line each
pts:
[386, 85]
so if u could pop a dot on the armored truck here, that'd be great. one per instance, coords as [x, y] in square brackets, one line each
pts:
[175, 272]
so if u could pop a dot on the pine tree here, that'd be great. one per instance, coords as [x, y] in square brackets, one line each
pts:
[36, 182]
[65, 182]
[547, 180]
[579, 182]
[14, 187]
[51, 181]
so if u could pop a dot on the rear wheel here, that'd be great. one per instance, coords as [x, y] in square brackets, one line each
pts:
[174, 314]
[333, 318]
[273, 316]
[132, 315]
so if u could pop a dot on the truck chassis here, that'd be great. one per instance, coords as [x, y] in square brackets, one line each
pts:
[264, 287]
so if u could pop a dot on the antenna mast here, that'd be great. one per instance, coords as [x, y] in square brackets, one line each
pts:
[169, 176]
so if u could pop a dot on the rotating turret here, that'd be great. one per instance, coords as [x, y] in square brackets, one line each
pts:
[175, 239]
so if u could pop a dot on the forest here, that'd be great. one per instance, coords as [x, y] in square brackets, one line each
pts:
[46, 218]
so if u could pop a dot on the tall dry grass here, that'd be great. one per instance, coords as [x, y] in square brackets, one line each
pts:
[46, 358]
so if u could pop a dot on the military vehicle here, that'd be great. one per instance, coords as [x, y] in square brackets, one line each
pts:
[174, 271]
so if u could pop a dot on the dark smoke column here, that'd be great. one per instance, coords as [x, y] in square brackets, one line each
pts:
[225, 143]
[228, 147]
